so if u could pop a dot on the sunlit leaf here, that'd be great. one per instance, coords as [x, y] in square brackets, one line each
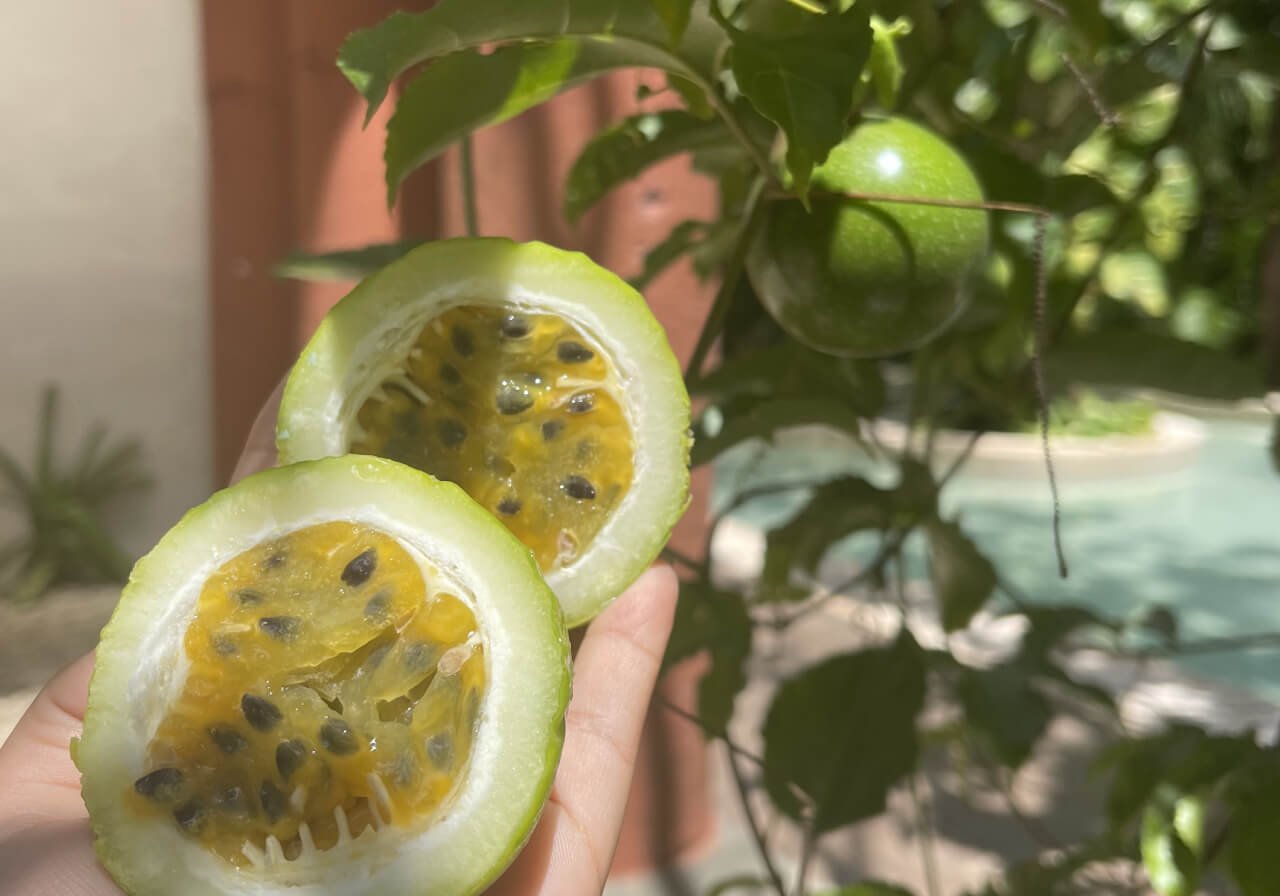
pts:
[623, 150]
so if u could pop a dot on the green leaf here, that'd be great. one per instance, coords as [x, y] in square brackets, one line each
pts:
[682, 239]
[1255, 836]
[433, 112]
[374, 57]
[715, 621]
[1049, 625]
[675, 13]
[837, 509]
[790, 369]
[622, 151]
[867, 888]
[1275, 445]
[843, 732]
[804, 82]
[1171, 842]
[1005, 709]
[1116, 357]
[765, 418]
[350, 264]
[962, 577]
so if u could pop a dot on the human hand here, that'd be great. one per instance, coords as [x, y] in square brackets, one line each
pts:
[46, 842]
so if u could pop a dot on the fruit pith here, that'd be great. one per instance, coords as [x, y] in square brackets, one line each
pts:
[333, 686]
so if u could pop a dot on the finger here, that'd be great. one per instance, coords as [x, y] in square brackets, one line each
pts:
[46, 845]
[614, 676]
[260, 447]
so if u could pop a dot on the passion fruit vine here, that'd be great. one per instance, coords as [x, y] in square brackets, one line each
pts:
[535, 379]
[341, 676]
[859, 278]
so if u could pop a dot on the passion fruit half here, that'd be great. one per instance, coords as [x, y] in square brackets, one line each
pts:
[338, 677]
[532, 377]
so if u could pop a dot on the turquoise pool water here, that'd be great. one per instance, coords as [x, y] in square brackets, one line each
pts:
[1204, 541]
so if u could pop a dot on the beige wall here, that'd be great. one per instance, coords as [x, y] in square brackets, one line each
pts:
[102, 235]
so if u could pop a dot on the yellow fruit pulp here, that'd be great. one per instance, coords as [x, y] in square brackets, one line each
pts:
[517, 408]
[333, 686]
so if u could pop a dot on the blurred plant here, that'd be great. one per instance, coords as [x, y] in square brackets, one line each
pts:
[66, 540]
[1128, 152]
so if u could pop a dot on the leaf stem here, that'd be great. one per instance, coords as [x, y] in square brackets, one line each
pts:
[697, 720]
[729, 279]
[757, 835]
[924, 825]
[468, 165]
[684, 560]
[808, 846]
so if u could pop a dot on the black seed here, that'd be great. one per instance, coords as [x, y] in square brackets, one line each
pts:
[515, 327]
[571, 352]
[451, 432]
[509, 506]
[228, 739]
[224, 646]
[190, 816]
[233, 801]
[376, 609]
[463, 344]
[161, 785]
[274, 803]
[579, 488]
[359, 569]
[336, 737]
[290, 754]
[581, 403]
[275, 561]
[500, 465]
[513, 397]
[260, 712]
[551, 429]
[450, 374]
[440, 749]
[282, 628]
[248, 597]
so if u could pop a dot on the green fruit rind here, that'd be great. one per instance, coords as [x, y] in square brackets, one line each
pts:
[367, 334]
[140, 667]
[860, 278]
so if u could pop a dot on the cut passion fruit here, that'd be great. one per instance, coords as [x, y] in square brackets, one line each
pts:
[532, 377]
[340, 676]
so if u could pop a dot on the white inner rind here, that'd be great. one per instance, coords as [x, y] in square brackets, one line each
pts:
[141, 668]
[368, 335]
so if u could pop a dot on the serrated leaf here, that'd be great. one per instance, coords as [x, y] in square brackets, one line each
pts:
[837, 509]
[843, 733]
[675, 13]
[963, 578]
[804, 83]
[432, 112]
[765, 418]
[1006, 710]
[374, 57]
[681, 240]
[718, 622]
[622, 151]
[351, 264]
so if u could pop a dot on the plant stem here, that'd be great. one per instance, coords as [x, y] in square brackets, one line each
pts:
[468, 164]
[744, 798]
[697, 720]
[924, 824]
[684, 560]
[729, 278]
[807, 848]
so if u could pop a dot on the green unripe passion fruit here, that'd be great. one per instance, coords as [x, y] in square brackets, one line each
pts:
[856, 278]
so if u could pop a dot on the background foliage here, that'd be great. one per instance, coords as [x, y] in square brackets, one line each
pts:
[1147, 131]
